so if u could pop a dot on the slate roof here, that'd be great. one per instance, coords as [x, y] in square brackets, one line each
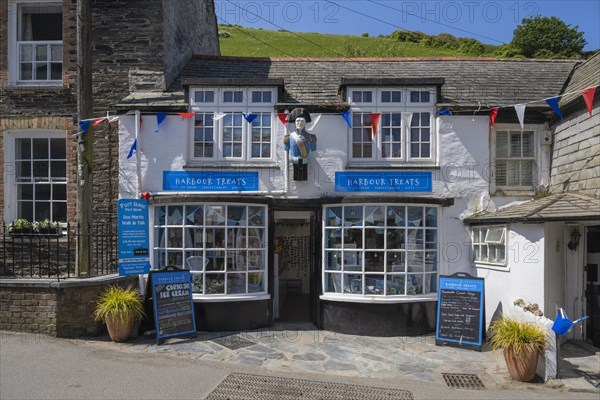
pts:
[556, 207]
[584, 76]
[317, 81]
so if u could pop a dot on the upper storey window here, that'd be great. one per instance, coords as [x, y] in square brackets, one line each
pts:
[36, 42]
[233, 124]
[405, 132]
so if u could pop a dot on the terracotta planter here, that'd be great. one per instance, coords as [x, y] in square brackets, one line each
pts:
[119, 330]
[522, 366]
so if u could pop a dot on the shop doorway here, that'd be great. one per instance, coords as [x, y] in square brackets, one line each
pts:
[592, 289]
[295, 264]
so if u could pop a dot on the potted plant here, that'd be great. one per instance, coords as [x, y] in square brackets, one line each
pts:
[119, 308]
[46, 227]
[521, 342]
[19, 226]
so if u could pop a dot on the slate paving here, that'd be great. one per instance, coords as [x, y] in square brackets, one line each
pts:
[304, 348]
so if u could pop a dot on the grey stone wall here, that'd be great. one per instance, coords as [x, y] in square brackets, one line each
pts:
[147, 40]
[62, 309]
[576, 153]
[189, 28]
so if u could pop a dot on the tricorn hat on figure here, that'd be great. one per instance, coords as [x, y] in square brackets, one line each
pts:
[299, 112]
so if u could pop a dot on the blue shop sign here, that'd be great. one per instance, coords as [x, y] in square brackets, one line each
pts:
[383, 182]
[134, 243]
[210, 181]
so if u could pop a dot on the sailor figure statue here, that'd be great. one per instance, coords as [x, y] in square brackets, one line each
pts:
[300, 143]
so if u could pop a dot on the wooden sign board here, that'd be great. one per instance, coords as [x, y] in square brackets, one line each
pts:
[172, 303]
[461, 311]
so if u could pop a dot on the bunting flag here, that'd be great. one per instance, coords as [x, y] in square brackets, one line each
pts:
[553, 103]
[250, 117]
[493, 115]
[520, 109]
[407, 118]
[113, 119]
[186, 115]
[314, 123]
[98, 121]
[445, 112]
[218, 116]
[588, 97]
[283, 117]
[347, 117]
[85, 125]
[160, 118]
[375, 117]
[132, 149]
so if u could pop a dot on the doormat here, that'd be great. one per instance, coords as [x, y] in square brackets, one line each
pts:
[233, 342]
[463, 381]
[251, 387]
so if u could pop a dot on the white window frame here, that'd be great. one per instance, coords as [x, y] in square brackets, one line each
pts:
[247, 107]
[536, 158]
[407, 252]
[156, 248]
[14, 14]
[479, 241]
[10, 184]
[378, 106]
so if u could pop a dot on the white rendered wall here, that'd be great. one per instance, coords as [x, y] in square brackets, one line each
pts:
[462, 173]
[554, 260]
[524, 278]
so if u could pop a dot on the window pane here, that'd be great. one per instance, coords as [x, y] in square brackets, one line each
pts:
[396, 216]
[386, 97]
[25, 210]
[58, 170]
[395, 285]
[374, 216]
[333, 238]
[43, 192]
[42, 210]
[59, 211]
[26, 53]
[256, 216]
[414, 97]
[515, 145]
[333, 216]
[41, 71]
[415, 216]
[175, 215]
[215, 283]
[527, 172]
[528, 144]
[501, 144]
[59, 192]
[396, 238]
[40, 170]
[41, 52]
[333, 260]
[396, 96]
[58, 149]
[333, 283]
[353, 215]
[374, 238]
[414, 284]
[374, 284]
[374, 261]
[236, 283]
[23, 173]
[24, 192]
[40, 149]
[353, 283]
[396, 261]
[26, 72]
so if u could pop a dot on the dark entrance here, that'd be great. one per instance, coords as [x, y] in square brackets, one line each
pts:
[295, 245]
[592, 293]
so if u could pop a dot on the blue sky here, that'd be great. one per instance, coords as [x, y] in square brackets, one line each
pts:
[490, 22]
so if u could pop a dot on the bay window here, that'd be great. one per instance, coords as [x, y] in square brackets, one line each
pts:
[223, 245]
[380, 250]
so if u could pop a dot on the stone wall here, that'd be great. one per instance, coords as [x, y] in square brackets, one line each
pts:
[130, 38]
[576, 153]
[62, 309]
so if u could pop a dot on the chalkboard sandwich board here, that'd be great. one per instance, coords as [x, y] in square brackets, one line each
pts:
[461, 311]
[172, 303]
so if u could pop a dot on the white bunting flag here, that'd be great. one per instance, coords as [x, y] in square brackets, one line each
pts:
[520, 109]
[218, 116]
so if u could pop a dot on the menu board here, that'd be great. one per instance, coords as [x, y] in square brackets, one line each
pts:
[460, 313]
[173, 305]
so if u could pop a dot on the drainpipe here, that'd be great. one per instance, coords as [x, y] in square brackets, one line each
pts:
[138, 157]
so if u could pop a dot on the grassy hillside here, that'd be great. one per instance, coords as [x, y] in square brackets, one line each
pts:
[238, 41]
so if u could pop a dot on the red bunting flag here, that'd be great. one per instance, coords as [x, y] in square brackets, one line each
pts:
[98, 121]
[375, 121]
[588, 96]
[186, 115]
[283, 117]
[493, 115]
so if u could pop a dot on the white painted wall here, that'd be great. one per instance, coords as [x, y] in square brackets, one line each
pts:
[554, 260]
[463, 157]
[524, 278]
